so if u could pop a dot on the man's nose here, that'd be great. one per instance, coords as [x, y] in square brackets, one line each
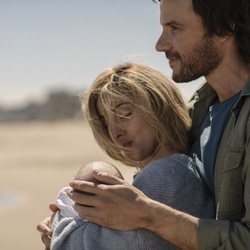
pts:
[163, 44]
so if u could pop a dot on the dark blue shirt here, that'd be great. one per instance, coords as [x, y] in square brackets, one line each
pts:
[204, 149]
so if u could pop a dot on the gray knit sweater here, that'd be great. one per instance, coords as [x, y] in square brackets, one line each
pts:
[172, 180]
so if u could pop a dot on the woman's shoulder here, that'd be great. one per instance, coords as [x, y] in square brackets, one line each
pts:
[174, 181]
[172, 173]
[178, 164]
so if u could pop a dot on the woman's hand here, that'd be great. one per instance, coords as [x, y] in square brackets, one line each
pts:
[44, 227]
[46, 233]
[116, 204]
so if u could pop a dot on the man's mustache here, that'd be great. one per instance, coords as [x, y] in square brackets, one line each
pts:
[172, 55]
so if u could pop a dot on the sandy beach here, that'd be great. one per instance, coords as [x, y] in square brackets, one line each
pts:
[36, 160]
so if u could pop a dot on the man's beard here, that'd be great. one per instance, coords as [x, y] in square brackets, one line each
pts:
[199, 62]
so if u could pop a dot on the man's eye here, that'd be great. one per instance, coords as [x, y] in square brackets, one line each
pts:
[174, 28]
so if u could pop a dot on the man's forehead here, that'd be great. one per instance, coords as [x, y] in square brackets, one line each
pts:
[175, 10]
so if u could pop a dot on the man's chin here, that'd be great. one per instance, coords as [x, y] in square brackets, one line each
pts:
[183, 79]
[177, 78]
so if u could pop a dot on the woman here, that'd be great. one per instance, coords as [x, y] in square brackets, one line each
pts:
[139, 118]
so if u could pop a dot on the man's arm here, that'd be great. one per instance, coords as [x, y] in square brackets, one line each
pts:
[128, 208]
[177, 227]
[225, 234]
[75, 233]
[124, 207]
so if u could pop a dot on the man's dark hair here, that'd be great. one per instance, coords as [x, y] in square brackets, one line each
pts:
[226, 17]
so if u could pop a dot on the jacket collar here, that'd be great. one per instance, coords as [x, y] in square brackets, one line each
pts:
[246, 89]
[206, 92]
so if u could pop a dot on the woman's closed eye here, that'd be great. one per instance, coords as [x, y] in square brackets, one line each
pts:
[124, 115]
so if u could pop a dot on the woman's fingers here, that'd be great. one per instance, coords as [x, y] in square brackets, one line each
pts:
[44, 226]
[46, 241]
[46, 233]
[53, 207]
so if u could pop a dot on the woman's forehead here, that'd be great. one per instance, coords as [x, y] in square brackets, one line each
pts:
[110, 103]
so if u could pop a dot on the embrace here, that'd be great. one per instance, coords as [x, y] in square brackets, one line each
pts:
[192, 189]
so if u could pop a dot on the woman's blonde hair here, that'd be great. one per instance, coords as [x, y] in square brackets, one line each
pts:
[150, 91]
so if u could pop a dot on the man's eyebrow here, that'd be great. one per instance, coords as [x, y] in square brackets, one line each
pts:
[171, 23]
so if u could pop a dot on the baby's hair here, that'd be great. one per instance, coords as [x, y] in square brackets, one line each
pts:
[150, 91]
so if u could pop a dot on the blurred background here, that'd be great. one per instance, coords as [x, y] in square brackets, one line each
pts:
[51, 51]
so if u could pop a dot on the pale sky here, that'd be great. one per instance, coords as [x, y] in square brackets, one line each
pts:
[48, 44]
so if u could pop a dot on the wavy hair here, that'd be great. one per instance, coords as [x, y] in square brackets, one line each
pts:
[150, 91]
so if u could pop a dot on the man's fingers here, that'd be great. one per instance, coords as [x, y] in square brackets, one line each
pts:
[93, 188]
[84, 186]
[85, 211]
[106, 178]
[92, 214]
[83, 199]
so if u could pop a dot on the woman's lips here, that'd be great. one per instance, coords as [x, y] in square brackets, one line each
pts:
[125, 143]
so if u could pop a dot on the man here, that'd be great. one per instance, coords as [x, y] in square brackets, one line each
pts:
[199, 38]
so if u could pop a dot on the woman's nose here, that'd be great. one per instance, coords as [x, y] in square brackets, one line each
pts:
[116, 129]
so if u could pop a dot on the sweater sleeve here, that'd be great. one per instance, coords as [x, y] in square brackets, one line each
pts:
[76, 234]
[174, 181]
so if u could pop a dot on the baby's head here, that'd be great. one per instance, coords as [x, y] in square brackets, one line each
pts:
[85, 172]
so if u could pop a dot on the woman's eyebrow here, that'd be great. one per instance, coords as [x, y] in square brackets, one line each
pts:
[120, 104]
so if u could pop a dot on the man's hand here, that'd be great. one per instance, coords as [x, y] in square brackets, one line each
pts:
[116, 204]
[119, 205]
